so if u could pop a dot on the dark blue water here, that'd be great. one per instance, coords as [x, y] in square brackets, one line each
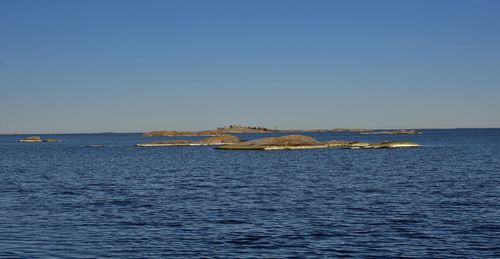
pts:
[67, 200]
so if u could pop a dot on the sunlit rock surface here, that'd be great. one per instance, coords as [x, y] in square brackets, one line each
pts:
[31, 139]
[277, 143]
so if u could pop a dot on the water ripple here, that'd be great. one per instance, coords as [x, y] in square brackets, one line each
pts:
[65, 200]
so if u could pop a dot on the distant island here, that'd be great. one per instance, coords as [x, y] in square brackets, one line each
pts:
[34, 139]
[235, 129]
[392, 132]
[219, 131]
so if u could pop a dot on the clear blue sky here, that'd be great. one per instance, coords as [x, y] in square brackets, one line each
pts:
[126, 66]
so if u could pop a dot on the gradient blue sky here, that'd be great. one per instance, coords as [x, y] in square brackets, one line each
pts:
[126, 66]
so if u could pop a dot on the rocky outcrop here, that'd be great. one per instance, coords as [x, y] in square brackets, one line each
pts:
[346, 144]
[37, 139]
[31, 139]
[215, 141]
[277, 143]
[357, 144]
[219, 137]
[392, 144]
[306, 142]
[392, 132]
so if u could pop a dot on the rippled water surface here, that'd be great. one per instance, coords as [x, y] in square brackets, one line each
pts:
[68, 200]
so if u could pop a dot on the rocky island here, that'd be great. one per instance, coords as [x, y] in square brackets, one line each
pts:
[235, 129]
[232, 129]
[277, 143]
[33, 139]
[211, 141]
[220, 137]
[305, 142]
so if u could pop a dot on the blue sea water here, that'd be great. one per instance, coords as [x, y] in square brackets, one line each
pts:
[68, 200]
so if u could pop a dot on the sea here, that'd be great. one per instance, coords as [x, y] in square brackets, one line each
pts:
[69, 200]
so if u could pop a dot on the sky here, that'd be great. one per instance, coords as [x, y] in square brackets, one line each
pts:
[132, 66]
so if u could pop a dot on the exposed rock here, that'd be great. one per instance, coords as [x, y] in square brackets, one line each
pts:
[343, 143]
[217, 140]
[360, 144]
[392, 144]
[357, 144]
[277, 143]
[229, 142]
[31, 139]
[305, 142]
[38, 139]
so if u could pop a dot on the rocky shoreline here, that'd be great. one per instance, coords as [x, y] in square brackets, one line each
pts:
[211, 141]
[288, 142]
[305, 142]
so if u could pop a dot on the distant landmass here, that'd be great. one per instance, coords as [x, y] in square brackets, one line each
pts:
[232, 129]
[219, 131]
[392, 132]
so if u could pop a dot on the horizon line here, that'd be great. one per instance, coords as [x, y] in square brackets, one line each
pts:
[306, 130]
